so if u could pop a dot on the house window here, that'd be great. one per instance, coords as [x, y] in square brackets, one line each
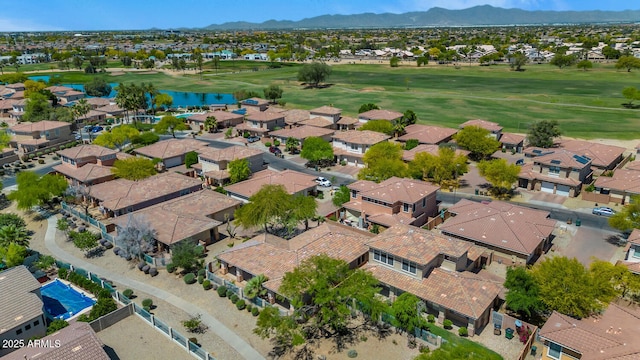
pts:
[57, 132]
[554, 351]
[27, 327]
[424, 202]
[36, 323]
[409, 266]
[19, 331]
[354, 146]
[383, 257]
[405, 207]
[554, 170]
[636, 253]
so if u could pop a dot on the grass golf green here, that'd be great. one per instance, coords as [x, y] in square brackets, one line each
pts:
[587, 104]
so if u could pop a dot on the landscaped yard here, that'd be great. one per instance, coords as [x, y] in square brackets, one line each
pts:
[587, 104]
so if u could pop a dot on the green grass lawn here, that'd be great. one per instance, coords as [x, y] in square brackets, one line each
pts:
[587, 104]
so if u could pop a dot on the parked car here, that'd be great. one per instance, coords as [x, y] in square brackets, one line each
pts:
[520, 162]
[604, 211]
[252, 139]
[323, 182]
[275, 150]
[96, 129]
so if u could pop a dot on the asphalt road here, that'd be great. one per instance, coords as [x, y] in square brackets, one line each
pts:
[11, 180]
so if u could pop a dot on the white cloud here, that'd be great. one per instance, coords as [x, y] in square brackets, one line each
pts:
[18, 25]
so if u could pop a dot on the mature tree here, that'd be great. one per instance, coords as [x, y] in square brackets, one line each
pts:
[628, 217]
[616, 279]
[341, 196]
[131, 98]
[445, 166]
[12, 219]
[405, 310]
[422, 60]
[13, 255]
[163, 100]
[35, 190]
[77, 62]
[302, 209]
[145, 138]
[273, 92]
[137, 237]
[32, 87]
[80, 109]
[314, 73]
[562, 60]
[291, 144]
[117, 137]
[186, 255]
[628, 62]
[211, 124]
[322, 291]
[268, 208]
[409, 117]
[523, 293]
[134, 168]
[254, 287]
[97, 86]
[238, 170]
[37, 108]
[610, 53]
[151, 91]
[366, 107]
[45, 263]
[84, 241]
[500, 174]
[478, 141]
[63, 225]
[381, 126]
[542, 133]
[170, 124]
[632, 93]
[190, 158]
[584, 65]
[61, 113]
[394, 61]
[410, 144]
[567, 287]
[316, 149]
[517, 61]
[382, 161]
[11, 234]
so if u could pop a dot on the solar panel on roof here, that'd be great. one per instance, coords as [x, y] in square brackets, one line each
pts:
[555, 162]
[251, 102]
[536, 151]
[581, 159]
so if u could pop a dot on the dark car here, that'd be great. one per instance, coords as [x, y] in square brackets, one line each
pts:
[520, 162]
[275, 150]
[252, 139]
[96, 129]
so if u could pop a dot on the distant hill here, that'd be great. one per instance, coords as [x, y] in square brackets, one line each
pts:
[484, 15]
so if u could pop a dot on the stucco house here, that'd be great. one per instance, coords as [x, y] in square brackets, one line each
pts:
[261, 123]
[294, 182]
[86, 164]
[557, 171]
[379, 114]
[623, 184]
[494, 128]
[170, 151]
[300, 133]
[256, 104]
[427, 134]
[350, 145]
[29, 137]
[213, 163]
[224, 119]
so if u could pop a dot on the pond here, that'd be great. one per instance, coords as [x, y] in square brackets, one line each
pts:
[180, 98]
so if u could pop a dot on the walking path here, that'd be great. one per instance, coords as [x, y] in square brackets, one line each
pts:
[216, 326]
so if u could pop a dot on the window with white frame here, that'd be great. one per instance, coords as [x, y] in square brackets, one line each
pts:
[383, 257]
[554, 351]
[409, 266]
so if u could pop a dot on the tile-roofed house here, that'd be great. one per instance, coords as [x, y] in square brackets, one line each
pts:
[410, 155]
[427, 134]
[351, 145]
[93, 116]
[319, 122]
[273, 256]
[620, 187]
[604, 157]
[171, 151]
[260, 123]
[300, 133]
[31, 136]
[393, 201]
[558, 171]
[77, 341]
[294, 183]
[294, 116]
[512, 142]
[255, 103]
[432, 267]
[86, 164]
[347, 123]
[5, 108]
[111, 109]
[224, 119]
[21, 307]
[507, 229]
[97, 102]
[329, 113]
[633, 247]
[494, 128]
[611, 335]
[212, 163]
[122, 196]
[194, 216]
[379, 114]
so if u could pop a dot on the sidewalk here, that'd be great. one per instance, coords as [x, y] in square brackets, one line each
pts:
[226, 334]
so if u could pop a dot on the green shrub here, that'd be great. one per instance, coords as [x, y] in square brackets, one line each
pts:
[352, 354]
[267, 144]
[255, 311]
[62, 273]
[147, 308]
[343, 162]
[240, 304]
[40, 154]
[147, 302]
[171, 268]
[222, 291]
[229, 293]
[206, 284]
[234, 298]
[128, 293]
[56, 325]
[447, 324]
[249, 307]
[200, 279]
[276, 143]
[202, 272]
[463, 331]
[40, 161]
[431, 318]
[189, 278]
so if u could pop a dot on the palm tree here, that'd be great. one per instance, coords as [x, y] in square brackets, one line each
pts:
[254, 287]
[13, 234]
[152, 91]
[211, 124]
[80, 108]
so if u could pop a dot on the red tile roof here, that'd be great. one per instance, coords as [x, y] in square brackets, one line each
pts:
[326, 110]
[511, 139]
[86, 174]
[491, 126]
[499, 224]
[366, 137]
[380, 114]
[43, 125]
[395, 189]
[622, 180]
[293, 182]
[302, 132]
[86, 151]
[427, 134]
[264, 116]
[601, 155]
[227, 154]
[317, 121]
[170, 148]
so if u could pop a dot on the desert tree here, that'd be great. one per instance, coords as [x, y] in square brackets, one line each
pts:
[137, 237]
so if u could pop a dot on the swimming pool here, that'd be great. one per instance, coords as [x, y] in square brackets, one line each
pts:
[61, 301]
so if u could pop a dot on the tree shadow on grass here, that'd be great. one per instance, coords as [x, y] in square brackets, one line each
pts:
[320, 86]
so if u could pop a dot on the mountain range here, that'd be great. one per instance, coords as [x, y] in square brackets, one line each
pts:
[484, 15]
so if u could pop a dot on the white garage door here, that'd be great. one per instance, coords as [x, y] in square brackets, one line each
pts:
[547, 187]
[562, 190]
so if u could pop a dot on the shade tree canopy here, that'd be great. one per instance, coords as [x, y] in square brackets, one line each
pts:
[542, 133]
[134, 168]
[500, 174]
[314, 73]
[35, 190]
[169, 124]
[477, 140]
[383, 161]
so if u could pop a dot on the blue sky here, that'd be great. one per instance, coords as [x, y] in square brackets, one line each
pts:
[35, 15]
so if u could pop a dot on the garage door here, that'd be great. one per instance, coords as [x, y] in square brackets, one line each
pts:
[547, 187]
[176, 161]
[562, 190]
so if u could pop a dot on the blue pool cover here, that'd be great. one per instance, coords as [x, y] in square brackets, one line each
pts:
[61, 301]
